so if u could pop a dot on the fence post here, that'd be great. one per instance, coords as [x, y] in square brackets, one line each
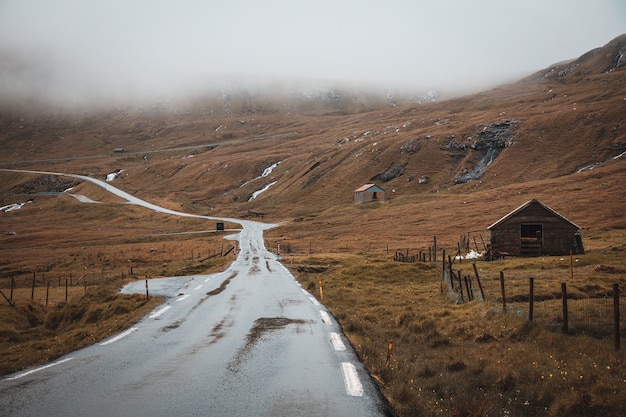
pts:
[531, 298]
[66, 290]
[434, 248]
[565, 313]
[502, 289]
[12, 286]
[467, 287]
[616, 315]
[461, 287]
[32, 291]
[480, 286]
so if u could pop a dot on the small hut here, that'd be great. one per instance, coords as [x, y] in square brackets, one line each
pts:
[534, 229]
[367, 193]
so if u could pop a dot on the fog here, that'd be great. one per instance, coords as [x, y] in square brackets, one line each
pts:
[76, 50]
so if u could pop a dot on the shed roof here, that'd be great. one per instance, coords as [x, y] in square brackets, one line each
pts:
[525, 205]
[367, 187]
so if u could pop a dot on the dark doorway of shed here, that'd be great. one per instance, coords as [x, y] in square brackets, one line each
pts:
[376, 195]
[531, 239]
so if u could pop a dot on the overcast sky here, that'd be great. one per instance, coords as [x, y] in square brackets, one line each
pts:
[95, 48]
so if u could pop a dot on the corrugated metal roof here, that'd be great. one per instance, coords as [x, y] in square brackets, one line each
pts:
[367, 187]
[526, 204]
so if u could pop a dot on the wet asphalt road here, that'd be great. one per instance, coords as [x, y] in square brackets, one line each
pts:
[248, 341]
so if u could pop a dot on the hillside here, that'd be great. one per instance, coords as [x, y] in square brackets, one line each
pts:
[556, 135]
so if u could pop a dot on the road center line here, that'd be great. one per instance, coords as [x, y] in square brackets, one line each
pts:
[207, 280]
[159, 312]
[198, 287]
[325, 317]
[182, 297]
[41, 368]
[336, 341]
[351, 379]
[119, 336]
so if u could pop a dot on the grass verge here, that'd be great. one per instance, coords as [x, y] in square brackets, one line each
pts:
[466, 359]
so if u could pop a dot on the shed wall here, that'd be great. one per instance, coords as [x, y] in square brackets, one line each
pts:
[557, 237]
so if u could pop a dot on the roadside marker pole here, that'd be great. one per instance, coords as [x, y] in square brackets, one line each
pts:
[147, 294]
[389, 350]
[321, 291]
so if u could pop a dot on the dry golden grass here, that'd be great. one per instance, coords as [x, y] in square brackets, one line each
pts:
[469, 359]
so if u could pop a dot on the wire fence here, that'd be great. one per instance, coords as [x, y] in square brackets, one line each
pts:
[600, 312]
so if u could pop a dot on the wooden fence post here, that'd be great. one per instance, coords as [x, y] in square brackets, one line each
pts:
[434, 248]
[32, 291]
[467, 287]
[616, 315]
[565, 313]
[531, 298]
[503, 292]
[480, 286]
[66, 289]
[461, 287]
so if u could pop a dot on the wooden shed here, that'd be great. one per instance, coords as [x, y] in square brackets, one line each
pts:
[534, 229]
[367, 193]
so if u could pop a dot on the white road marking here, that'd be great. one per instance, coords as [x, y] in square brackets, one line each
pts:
[198, 287]
[159, 312]
[207, 280]
[41, 368]
[182, 297]
[119, 336]
[351, 380]
[314, 301]
[304, 291]
[336, 341]
[325, 317]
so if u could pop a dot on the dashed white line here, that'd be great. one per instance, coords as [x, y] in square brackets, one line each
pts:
[182, 297]
[351, 380]
[336, 341]
[159, 312]
[119, 336]
[198, 287]
[314, 301]
[41, 368]
[325, 317]
[304, 291]
[207, 280]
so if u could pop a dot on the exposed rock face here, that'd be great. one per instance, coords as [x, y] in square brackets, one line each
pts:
[490, 140]
[46, 184]
[619, 60]
[395, 170]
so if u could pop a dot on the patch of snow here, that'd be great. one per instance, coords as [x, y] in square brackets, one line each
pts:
[113, 175]
[256, 193]
[622, 154]
[266, 172]
[11, 207]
